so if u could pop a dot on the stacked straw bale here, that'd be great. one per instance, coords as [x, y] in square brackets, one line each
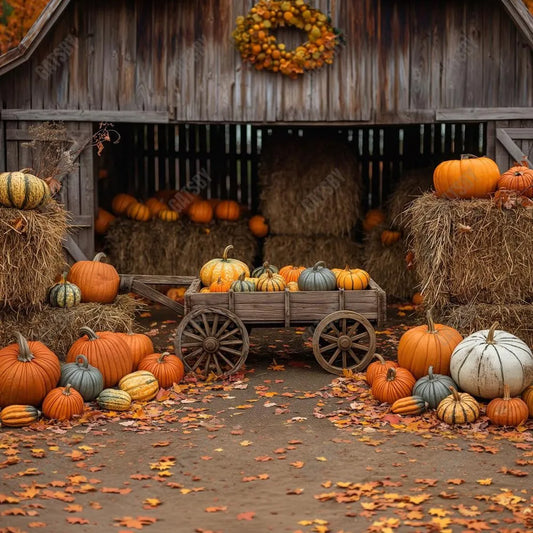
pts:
[386, 264]
[175, 248]
[31, 254]
[310, 195]
[474, 258]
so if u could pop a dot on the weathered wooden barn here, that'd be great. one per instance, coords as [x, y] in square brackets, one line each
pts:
[416, 82]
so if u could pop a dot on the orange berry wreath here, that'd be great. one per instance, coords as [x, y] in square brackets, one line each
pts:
[260, 47]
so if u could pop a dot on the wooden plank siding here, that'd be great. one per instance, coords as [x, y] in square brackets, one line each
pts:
[401, 59]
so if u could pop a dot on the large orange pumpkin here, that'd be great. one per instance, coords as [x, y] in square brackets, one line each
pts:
[468, 177]
[228, 210]
[428, 345]
[226, 268]
[105, 350]
[167, 368]
[62, 403]
[102, 221]
[518, 178]
[200, 212]
[139, 344]
[258, 226]
[28, 372]
[121, 202]
[97, 281]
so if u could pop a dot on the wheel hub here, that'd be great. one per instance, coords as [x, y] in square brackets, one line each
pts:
[211, 344]
[344, 342]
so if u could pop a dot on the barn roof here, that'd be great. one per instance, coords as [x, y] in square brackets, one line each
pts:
[516, 8]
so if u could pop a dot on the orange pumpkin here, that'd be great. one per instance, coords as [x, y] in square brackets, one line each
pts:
[176, 293]
[291, 273]
[352, 279]
[62, 403]
[292, 286]
[468, 177]
[527, 396]
[167, 368]
[507, 411]
[224, 267]
[139, 345]
[28, 372]
[373, 218]
[165, 195]
[98, 282]
[518, 178]
[201, 212]
[258, 226]
[418, 298]
[102, 221]
[182, 201]
[139, 212]
[155, 205]
[121, 202]
[396, 383]
[378, 367]
[390, 237]
[105, 350]
[228, 210]
[428, 345]
[220, 285]
[168, 215]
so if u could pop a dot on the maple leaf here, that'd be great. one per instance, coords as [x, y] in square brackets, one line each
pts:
[214, 509]
[513, 472]
[77, 520]
[487, 481]
[248, 515]
[136, 523]
[161, 443]
[437, 511]
[152, 502]
[73, 508]
[428, 482]
[14, 512]
[296, 492]
[37, 524]
[29, 493]
[455, 481]
[468, 511]
[297, 464]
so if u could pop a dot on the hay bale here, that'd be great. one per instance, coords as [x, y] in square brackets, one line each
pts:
[175, 248]
[59, 328]
[469, 251]
[514, 318]
[283, 250]
[304, 181]
[32, 254]
[386, 265]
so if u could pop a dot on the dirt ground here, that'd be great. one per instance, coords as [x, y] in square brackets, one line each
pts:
[282, 447]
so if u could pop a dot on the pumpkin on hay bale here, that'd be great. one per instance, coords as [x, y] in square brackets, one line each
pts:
[58, 328]
[304, 181]
[32, 254]
[301, 250]
[471, 252]
[175, 248]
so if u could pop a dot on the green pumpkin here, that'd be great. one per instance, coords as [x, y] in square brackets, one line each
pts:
[433, 388]
[22, 190]
[83, 377]
[317, 278]
[267, 267]
[241, 285]
[64, 294]
[114, 400]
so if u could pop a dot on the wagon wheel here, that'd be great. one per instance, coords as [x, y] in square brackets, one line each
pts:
[212, 339]
[344, 340]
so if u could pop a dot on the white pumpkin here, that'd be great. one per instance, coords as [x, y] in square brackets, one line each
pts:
[484, 362]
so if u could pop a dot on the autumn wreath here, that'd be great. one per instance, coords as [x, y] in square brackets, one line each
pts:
[260, 47]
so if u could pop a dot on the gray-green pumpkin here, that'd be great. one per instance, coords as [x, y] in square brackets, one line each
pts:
[317, 278]
[241, 285]
[83, 377]
[64, 294]
[434, 387]
[266, 267]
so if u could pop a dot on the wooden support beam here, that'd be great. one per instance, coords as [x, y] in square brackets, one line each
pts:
[148, 292]
[478, 114]
[151, 279]
[70, 245]
[503, 136]
[80, 115]
[521, 17]
[2, 146]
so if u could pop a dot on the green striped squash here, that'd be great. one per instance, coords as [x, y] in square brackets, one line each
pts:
[410, 405]
[433, 387]
[22, 191]
[242, 284]
[64, 293]
[114, 400]
[16, 416]
[140, 385]
[266, 267]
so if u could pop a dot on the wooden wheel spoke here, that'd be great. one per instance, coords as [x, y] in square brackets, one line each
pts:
[198, 361]
[353, 329]
[330, 338]
[335, 329]
[328, 347]
[229, 334]
[207, 328]
[223, 328]
[189, 333]
[362, 347]
[217, 364]
[334, 356]
[230, 350]
[222, 356]
[191, 344]
[231, 342]
[343, 326]
[207, 365]
[353, 355]
[359, 336]
[198, 328]
[193, 353]
[214, 325]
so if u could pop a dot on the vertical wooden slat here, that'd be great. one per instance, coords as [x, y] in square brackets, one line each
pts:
[3, 162]
[86, 192]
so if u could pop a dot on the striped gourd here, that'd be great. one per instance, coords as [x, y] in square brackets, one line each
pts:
[64, 293]
[138, 211]
[226, 268]
[16, 416]
[410, 405]
[266, 267]
[168, 215]
[352, 279]
[270, 282]
[23, 191]
[458, 408]
[114, 400]
[242, 285]
[140, 385]
[487, 360]
[317, 278]
[433, 387]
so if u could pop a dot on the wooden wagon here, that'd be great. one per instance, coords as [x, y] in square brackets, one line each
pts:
[213, 334]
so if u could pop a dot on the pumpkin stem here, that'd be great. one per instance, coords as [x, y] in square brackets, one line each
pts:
[490, 334]
[242, 276]
[226, 251]
[64, 278]
[99, 256]
[266, 265]
[379, 358]
[25, 355]
[162, 357]
[85, 330]
[469, 156]
[430, 373]
[506, 392]
[391, 374]
[81, 360]
[455, 394]
[66, 390]
[320, 264]
[347, 267]
[431, 323]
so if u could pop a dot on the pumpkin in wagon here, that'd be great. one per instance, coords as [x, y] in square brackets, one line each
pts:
[28, 372]
[226, 268]
[353, 279]
[22, 190]
[63, 403]
[317, 278]
[263, 269]
[220, 285]
[270, 282]
[242, 284]
[291, 273]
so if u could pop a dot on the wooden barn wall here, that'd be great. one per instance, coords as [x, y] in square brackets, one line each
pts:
[400, 57]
